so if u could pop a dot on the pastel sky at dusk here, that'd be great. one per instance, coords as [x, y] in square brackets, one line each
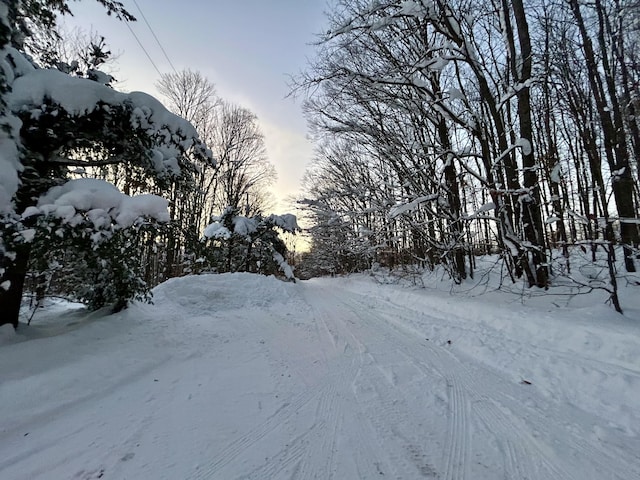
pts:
[247, 48]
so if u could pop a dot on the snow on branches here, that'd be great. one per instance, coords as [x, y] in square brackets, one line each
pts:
[53, 127]
[238, 243]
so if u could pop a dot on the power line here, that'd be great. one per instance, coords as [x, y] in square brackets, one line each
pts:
[155, 36]
[142, 47]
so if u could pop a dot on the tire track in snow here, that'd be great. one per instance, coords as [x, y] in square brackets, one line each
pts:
[531, 441]
[383, 410]
[499, 424]
[360, 423]
[289, 456]
[457, 321]
[506, 427]
[500, 415]
[365, 437]
[457, 445]
[518, 446]
[430, 361]
[308, 454]
[342, 409]
[246, 441]
[413, 454]
[382, 415]
[622, 465]
[322, 448]
[311, 454]
[515, 465]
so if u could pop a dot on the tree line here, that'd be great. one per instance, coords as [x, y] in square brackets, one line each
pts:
[449, 129]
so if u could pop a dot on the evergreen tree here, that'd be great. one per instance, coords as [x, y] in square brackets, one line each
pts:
[55, 124]
[248, 244]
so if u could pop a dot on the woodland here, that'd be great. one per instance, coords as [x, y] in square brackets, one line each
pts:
[443, 132]
[451, 130]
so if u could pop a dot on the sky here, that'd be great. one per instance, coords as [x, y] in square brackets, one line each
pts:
[247, 48]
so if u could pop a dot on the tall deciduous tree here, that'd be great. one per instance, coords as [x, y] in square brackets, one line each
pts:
[242, 174]
[245, 172]
[601, 68]
[414, 81]
[191, 96]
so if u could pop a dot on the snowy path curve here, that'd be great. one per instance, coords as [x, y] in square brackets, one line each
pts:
[238, 377]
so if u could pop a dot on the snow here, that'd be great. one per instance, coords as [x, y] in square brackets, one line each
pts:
[240, 376]
[9, 163]
[284, 266]
[78, 96]
[487, 207]
[102, 202]
[287, 222]
[217, 230]
[556, 173]
[411, 8]
[456, 94]
[31, 88]
[581, 219]
[100, 77]
[246, 226]
[400, 209]
[28, 234]
[525, 145]
[83, 194]
[146, 205]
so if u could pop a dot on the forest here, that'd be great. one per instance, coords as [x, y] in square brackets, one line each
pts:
[447, 130]
[443, 132]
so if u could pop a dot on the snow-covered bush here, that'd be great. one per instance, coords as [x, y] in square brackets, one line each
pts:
[86, 242]
[54, 125]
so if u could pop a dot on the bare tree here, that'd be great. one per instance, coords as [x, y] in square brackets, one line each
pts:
[189, 94]
[74, 51]
[605, 84]
[242, 174]
[192, 96]
[245, 173]
[417, 85]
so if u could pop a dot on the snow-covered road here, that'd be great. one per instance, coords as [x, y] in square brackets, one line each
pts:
[244, 377]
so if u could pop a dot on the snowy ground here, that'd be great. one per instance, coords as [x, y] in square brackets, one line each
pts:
[245, 377]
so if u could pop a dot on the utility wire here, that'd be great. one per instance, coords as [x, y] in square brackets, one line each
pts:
[155, 36]
[142, 47]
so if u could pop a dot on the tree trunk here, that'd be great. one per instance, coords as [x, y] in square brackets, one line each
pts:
[615, 148]
[15, 273]
[531, 215]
